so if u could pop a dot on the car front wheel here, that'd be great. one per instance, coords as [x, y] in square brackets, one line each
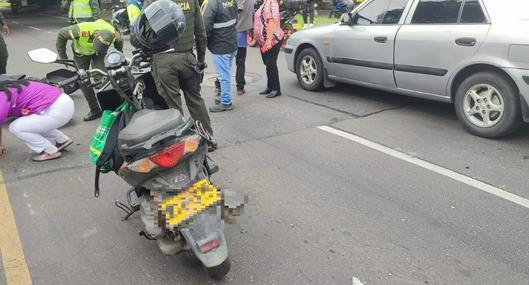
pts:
[309, 70]
[488, 105]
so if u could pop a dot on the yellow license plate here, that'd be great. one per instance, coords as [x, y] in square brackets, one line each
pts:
[190, 202]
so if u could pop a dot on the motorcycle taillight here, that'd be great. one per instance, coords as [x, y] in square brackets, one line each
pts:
[170, 156]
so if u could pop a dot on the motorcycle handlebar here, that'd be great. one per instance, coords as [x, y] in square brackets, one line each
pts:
[67, 62]
[96, 71]
[138, 56]
[69, 81]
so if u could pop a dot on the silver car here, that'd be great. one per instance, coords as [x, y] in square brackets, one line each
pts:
[473, 53]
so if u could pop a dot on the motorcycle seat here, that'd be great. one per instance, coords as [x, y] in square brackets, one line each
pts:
[146, 123]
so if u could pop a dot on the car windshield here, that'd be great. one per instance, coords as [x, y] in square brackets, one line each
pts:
[508, 9]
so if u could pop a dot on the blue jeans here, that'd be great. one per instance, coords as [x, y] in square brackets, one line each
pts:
[223, 63]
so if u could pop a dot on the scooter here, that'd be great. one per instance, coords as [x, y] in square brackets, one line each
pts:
[288, 11]
[163, 157]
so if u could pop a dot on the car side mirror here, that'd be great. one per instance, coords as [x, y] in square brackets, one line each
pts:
[348, 19]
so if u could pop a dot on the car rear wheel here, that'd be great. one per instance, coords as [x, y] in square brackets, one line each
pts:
[488, 105]
[309, 70]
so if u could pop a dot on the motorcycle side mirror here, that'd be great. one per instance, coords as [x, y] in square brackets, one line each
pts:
[42, 55]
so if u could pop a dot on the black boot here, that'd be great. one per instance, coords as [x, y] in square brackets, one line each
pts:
[92, 115]
[274, 94]
[266, 91]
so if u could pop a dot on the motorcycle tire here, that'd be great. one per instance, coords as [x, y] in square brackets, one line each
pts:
[218, 272]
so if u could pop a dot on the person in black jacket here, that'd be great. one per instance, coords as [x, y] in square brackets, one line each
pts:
[220, 19]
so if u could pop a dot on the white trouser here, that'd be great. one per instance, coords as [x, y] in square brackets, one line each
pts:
[39, 131]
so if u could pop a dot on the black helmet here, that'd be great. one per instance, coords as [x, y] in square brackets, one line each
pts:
[158, 27]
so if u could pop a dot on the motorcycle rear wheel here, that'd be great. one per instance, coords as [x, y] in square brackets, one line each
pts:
[218, 272]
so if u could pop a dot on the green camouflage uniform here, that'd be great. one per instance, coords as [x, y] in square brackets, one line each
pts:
[83, 61]
[3, 48]
[177, 70]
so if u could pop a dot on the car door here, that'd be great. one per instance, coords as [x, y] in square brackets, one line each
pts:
[362, 48]
[439, 36]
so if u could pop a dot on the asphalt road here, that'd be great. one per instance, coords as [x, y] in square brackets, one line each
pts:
[323, 209]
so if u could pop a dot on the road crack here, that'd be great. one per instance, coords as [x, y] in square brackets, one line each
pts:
[358, 116]
[50, 171]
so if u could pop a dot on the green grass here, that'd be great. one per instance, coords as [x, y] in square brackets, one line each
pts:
[318, 20]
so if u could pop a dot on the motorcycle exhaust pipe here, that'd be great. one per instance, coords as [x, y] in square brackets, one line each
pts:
[170, 247]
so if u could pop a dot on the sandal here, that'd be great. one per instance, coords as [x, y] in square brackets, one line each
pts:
[62, 146]
[43, 156]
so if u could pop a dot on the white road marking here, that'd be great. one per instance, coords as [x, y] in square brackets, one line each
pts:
[432, 167]
[36, 29]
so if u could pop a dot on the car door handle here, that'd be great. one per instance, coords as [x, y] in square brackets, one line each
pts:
[381, 40]
[466, 42]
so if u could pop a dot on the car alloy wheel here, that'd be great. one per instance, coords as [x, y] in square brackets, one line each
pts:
[483, 105]
[308, 70]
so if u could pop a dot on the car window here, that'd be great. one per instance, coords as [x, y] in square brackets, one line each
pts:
[472, 13]
[381, 12]
[437, 12]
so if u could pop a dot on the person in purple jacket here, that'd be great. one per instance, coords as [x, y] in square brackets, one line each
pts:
[40, 110]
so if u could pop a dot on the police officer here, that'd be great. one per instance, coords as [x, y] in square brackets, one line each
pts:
[3, 48]
[134, 8]
[90, 43]
[80, 11]
[179, 70]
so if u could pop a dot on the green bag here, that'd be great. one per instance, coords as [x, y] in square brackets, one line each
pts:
[100, 137]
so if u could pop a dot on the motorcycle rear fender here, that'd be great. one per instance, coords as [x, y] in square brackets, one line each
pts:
[203, 228]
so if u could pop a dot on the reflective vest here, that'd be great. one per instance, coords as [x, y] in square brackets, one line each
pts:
[134, 10]
[203, 7]
[83, 45]
[80, 9]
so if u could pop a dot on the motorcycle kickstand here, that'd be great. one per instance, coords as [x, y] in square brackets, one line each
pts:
[130, 209]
